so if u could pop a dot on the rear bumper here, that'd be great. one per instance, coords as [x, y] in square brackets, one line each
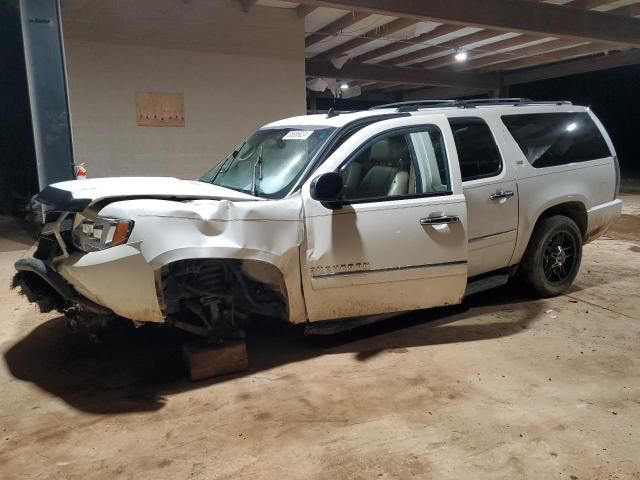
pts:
[44, 286]
[601, 217]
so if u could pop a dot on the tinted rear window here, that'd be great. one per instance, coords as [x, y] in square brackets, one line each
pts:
[550, 139]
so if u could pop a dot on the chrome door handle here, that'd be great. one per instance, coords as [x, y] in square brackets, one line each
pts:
[440, 220]
[502, 194]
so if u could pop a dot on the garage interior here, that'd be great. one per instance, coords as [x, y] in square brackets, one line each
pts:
[502, 386]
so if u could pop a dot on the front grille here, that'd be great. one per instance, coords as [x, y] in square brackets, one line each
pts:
[48, 246]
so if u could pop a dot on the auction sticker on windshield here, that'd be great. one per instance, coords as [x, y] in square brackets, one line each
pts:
[298, 135]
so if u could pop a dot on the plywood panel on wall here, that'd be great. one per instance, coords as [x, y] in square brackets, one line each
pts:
[157, 109]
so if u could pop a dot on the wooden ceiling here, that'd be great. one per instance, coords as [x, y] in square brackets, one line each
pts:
[406, 48]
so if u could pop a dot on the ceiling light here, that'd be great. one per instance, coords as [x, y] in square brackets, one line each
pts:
[572, 126]
[344, 86]
[461, 56]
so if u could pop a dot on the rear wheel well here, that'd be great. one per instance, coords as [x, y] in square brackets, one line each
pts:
[576, 211]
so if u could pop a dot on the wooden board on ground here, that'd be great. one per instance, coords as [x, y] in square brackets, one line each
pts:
[206, 361]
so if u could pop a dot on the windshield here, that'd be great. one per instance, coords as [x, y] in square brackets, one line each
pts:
[269, 162]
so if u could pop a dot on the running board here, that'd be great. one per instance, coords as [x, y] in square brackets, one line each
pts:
[486, 283]
[331, 327]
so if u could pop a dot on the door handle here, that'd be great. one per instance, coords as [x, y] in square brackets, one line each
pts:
[440, 220]
[502, 194]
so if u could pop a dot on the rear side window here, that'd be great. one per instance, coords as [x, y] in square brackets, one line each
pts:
[477, 150]
[550, 139]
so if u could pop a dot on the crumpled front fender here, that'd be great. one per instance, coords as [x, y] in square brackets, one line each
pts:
[268, 231]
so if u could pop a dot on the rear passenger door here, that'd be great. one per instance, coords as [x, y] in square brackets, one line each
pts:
[491, 195]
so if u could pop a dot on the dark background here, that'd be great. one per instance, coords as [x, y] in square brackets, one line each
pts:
[614, 95]
[18, 179]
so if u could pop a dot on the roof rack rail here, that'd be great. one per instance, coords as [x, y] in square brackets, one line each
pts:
[415, 105]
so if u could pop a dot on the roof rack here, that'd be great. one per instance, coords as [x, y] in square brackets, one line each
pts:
[415, 105]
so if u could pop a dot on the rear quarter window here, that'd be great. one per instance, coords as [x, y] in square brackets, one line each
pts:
[551, 139]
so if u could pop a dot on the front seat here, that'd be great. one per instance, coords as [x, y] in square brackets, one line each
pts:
[385, 178]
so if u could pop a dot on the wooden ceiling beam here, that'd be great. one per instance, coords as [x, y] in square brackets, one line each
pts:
[451, 44]
[374, 34]
[541, 49]
[589, 4]
[483, 50]
[380, 73]
[506, 15]
[628, 11]
[335, 27]
[549, 57]
[573, 67]
[439, 31]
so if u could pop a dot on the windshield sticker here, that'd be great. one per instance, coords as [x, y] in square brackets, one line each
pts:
[298, 135]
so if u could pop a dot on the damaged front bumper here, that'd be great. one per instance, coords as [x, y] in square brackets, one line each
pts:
[43, 286]
[114, 281]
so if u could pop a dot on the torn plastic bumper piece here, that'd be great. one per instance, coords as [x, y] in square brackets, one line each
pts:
[44, 286]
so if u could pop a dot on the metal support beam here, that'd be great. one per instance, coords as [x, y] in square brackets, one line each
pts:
[507, 15]
[42, 38]
[380, 73]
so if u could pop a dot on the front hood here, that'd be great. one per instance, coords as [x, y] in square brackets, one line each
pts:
[76, 195]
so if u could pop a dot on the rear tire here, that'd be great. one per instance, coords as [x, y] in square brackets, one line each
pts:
[553, 257]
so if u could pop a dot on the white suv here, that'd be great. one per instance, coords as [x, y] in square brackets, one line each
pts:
[336, 218]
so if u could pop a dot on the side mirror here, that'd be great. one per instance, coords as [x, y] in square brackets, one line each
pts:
[327, 188]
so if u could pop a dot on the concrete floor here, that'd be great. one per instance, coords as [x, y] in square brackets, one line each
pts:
[502, 387]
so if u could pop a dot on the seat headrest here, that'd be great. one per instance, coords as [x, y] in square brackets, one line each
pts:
[387, 151]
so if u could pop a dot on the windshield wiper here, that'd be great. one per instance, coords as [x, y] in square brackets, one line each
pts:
[226, 164]
[257, 167]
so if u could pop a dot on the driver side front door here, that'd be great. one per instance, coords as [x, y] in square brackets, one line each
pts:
[399, 241]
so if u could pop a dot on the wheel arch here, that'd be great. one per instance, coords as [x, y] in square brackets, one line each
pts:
[259, 266]
[575, 209]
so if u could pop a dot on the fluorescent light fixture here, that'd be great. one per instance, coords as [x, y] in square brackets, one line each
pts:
[572, 126]
[461, 56]
[344, 86]
[352, 92]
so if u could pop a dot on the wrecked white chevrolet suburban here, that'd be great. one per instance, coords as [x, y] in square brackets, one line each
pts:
[328, 220]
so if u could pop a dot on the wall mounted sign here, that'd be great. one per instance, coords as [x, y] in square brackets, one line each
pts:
[156, 109]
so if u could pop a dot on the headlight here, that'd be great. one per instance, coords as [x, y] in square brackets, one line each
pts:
[91, 234]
